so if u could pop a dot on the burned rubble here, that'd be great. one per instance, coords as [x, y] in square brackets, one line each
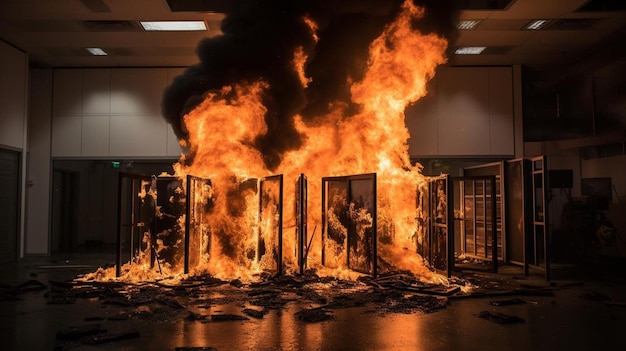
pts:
[197, 298]
[309, 297]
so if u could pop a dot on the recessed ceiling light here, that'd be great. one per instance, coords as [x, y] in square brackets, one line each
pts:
[470, 50]
[536, 24]
[96, 51]
[467, 24]
[174, 25]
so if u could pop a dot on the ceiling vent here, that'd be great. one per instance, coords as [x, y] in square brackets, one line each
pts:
[496, 50]
[198, 5]
[120, 52]
[111, 26]
[603, 6]
[65, 51]
[573, 23]
[483, 4]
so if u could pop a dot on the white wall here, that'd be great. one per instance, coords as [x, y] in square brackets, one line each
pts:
[469, 111]
[87, 114]
[111, 113]
[38, 190]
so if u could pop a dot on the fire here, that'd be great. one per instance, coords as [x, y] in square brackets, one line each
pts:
[299, 61]
[223, 128]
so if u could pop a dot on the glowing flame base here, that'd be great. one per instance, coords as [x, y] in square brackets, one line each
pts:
[223, 129]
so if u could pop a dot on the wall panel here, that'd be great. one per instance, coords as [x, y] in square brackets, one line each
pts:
[463, 123]
[66, 136]
[67, 92]
[501, 131]
[468, 112]
[137, 91]
[421, 124]
[112, 113]
[173, 147]
[96, 91]
[95, 136]
[138, 136]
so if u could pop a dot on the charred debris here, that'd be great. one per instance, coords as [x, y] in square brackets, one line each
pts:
[314, 297]
[309, 297]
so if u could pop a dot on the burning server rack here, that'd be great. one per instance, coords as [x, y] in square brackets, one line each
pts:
[139, 224]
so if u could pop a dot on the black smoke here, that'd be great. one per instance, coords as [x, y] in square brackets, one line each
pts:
[258, 41]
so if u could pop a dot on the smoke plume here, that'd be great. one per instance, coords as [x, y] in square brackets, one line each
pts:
[258, 42]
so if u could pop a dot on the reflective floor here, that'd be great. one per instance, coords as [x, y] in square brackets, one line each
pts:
[584, 314]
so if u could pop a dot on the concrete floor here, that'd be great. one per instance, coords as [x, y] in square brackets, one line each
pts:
[577, 317]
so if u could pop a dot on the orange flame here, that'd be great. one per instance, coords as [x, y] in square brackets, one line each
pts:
[299, 61]
[313, 26]
[222, 130]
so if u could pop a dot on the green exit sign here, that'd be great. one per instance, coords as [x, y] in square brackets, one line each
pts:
[115, 164]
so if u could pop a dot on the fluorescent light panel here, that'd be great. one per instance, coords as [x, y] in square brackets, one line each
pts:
[96, 51]
[536, 24]
[470, 50]
[173, 25]
[467, 24]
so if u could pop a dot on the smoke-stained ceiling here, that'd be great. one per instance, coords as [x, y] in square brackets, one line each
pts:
[577, 54]
[54, 33]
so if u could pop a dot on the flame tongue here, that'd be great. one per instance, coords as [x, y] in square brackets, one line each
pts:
[224, 127]
[222, 130]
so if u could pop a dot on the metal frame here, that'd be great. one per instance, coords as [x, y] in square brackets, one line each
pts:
[492, 210]
[525, 189]
[431, 242]
[194, 217]
[302, 249]
[487, 170]
[348, 180]
[134, 189]
[450, 223]
[279, 258]
[422, 239]
[167, 224]
[540, 220]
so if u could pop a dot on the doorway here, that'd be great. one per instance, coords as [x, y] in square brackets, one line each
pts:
[9, 204]
[65, 211]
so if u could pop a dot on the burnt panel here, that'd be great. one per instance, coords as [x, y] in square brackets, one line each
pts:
[361, 227]
[171, 202]
[269, 245]
[422, 238]
[197, 234]
[334, 221]
[439, 229]
[136, 220]
[349, 223]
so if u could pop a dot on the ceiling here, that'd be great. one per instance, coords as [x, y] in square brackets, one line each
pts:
[55, 33]
[574, 69]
